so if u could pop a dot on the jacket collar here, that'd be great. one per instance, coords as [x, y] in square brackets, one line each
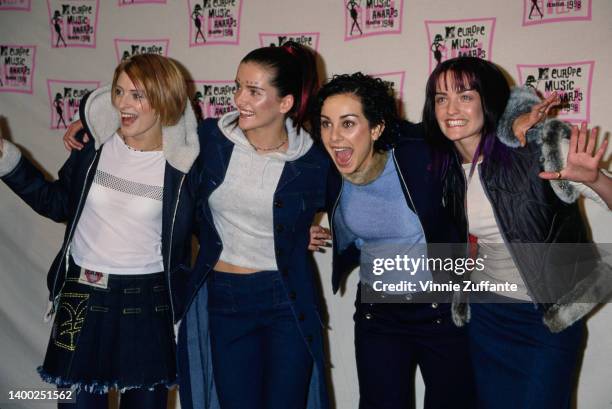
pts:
[180, 142]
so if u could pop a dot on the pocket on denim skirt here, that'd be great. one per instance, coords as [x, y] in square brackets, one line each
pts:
[71, 314]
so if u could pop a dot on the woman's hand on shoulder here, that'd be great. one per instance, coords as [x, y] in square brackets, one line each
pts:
[319, 238]
[538, 113]
[69, 139]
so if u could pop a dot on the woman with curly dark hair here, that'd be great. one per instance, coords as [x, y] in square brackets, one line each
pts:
[380, 159]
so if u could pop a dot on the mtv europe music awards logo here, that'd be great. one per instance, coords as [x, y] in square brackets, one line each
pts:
[126, 48]
[456, 38]
[214, 22]
[572, 81]
[278, 39]
[552, 11]
[214, 98]
[17, 63]
[65, 98]
[17, 5]
[363, 18]
[73, 23]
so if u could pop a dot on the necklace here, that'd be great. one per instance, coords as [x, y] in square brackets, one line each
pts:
[156, 147]
[257, 148]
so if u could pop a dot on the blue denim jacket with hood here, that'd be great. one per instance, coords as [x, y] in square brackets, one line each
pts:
[298, 196]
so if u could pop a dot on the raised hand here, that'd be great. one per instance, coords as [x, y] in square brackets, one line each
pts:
[538, 112]
[582, 159]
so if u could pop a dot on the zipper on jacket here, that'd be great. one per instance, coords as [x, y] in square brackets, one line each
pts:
[331, 220]
[399, 172]
[465, 204]
[66, 254]
[503, 233]
[178, 199]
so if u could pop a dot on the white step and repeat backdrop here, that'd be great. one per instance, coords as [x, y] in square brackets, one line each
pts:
[53, 51]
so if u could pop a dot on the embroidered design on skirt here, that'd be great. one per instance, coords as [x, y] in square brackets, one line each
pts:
[70, 318]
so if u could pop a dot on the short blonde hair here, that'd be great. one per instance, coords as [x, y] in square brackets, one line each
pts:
[162, 82]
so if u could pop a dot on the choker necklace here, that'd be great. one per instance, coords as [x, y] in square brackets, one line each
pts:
[363, 177]
[258, 149]
[156, 147]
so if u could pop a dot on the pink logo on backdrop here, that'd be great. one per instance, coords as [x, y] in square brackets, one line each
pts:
[214, 98]
[17, 63]
[364, 18]
[214, 22]
[278, 39]
[136, 2]
[572, 81]
[65, 98]
[448, 39]
[125, 48]
[552, 11]
[73, 23]
[17, 5]
[395, 80]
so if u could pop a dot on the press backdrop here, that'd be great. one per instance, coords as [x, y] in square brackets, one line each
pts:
[53, 51]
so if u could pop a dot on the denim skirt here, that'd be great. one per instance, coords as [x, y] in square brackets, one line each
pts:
[116, 335]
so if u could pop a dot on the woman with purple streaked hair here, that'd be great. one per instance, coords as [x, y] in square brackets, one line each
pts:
[525, 343]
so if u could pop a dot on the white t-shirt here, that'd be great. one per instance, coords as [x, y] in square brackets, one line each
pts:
[499, 265]
[119, 231]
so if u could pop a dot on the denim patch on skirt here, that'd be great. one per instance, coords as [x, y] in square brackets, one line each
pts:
[116, 337]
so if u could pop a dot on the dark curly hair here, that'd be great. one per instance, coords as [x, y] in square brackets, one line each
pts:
[377, 101]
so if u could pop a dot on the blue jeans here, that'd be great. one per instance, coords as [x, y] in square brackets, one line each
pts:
[518, 362]
[392, 339]
[260, 359]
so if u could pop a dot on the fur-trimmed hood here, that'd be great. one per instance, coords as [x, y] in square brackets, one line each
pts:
[552, 138]
[101, 120]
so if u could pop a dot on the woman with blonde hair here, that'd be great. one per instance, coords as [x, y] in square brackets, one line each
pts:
[129, 221]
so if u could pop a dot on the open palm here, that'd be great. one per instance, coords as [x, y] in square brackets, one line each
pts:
[582, 159]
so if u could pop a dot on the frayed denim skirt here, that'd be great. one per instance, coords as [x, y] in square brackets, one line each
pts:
[117, 337]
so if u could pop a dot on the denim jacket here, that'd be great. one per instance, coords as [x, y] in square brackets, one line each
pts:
[63, 200]
[298, 196]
